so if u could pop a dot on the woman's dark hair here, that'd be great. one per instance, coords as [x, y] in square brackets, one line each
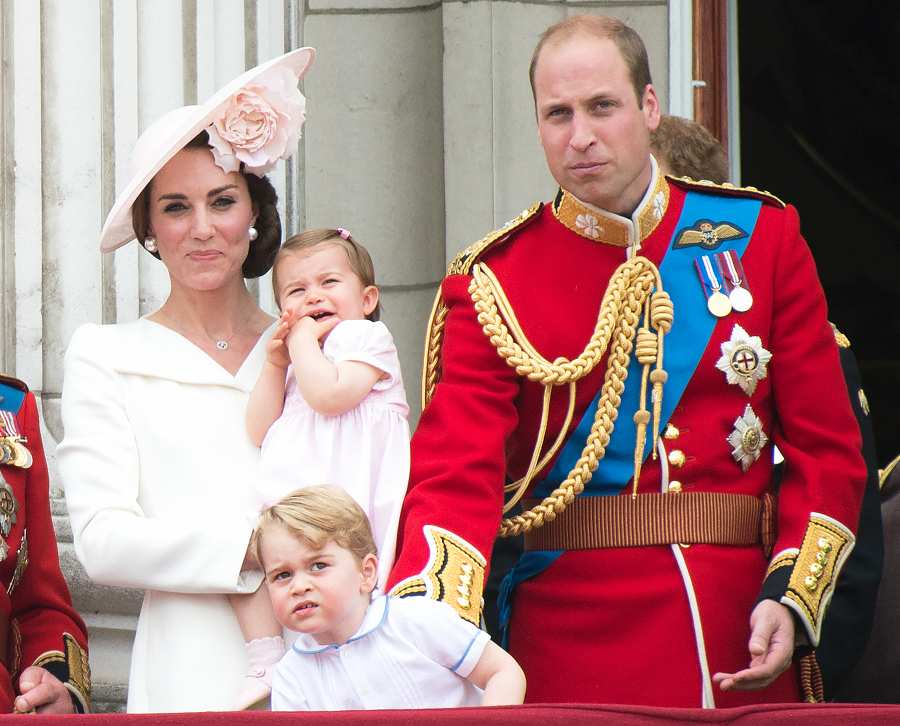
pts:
[268, 221]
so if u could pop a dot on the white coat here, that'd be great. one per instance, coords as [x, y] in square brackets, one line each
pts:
[157, 468]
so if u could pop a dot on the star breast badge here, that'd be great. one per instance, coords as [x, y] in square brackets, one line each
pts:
[744, 361]
[747, 439]
[707, 234]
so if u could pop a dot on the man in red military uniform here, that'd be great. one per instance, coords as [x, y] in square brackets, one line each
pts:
[43, 640]
[629, 354]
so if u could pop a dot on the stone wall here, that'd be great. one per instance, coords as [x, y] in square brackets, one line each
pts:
[420, 139]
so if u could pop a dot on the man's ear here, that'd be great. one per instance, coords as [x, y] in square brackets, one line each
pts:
[650, 107]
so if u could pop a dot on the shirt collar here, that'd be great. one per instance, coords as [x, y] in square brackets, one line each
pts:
[374, 618]
[600, 225]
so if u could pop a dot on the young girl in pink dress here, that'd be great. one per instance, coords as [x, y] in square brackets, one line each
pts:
[328, 408]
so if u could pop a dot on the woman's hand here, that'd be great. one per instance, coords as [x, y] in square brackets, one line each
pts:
[276, 349]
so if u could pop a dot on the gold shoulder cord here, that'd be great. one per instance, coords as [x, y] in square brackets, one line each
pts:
[634, 288]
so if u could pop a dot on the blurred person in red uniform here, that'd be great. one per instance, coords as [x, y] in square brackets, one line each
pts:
[43, 639]
[620, 361]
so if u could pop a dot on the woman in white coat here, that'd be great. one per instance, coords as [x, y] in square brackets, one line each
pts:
[156, 462]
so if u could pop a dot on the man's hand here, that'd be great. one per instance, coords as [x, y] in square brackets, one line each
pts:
[771, 649]
[42, 692]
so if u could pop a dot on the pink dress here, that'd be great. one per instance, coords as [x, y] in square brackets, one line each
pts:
[365, 451]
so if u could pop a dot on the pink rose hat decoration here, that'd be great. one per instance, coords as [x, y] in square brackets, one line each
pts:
[254, 120]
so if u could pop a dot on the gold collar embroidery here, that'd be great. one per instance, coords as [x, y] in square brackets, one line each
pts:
[597, 224]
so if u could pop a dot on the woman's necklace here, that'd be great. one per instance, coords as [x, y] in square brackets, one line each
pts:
[222, 344]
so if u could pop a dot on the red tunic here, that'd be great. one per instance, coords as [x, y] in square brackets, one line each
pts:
[636, 625]
[43, 627]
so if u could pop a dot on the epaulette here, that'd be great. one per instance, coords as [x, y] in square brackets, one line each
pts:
[14, 382]
[885, 474]
[12, 393]
[842, 340]
[463, 262]
[727, 188]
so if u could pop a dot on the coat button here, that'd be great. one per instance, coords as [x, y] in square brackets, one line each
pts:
[674, 487]
[677, 458]
[671, 432]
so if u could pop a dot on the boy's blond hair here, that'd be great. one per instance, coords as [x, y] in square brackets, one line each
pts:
[318, 515]
[360, 259]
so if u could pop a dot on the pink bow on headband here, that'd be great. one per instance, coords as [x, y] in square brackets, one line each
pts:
[345, 234]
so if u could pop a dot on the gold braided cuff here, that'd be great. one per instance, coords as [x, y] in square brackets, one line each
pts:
[72, 668]
[826, 546]
[785, 558]
[454, 574]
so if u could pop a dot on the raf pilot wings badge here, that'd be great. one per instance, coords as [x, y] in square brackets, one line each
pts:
[707, 234]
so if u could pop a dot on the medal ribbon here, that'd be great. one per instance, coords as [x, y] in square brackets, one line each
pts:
[685, 345]
[8, 428]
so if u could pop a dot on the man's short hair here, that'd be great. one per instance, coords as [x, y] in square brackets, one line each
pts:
[626, 39]
[318, 515]
[685, 148]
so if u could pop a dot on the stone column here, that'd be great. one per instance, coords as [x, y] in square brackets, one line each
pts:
[374, 150]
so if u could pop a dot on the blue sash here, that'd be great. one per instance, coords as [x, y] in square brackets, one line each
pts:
[684, 347]
[11, 398]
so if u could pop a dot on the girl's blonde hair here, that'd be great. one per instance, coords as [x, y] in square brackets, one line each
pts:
[360, 260]
[316, 516]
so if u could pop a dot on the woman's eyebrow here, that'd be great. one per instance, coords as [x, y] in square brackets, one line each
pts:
[210, 193]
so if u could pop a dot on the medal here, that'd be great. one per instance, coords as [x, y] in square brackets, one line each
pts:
[717, 302]
[23, 458]
[740, 297]
[12, 445]
[743, 360]
[8, 507]
[6, 452]
[747, 439]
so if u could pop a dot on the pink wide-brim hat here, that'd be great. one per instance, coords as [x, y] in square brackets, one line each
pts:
[170, 133]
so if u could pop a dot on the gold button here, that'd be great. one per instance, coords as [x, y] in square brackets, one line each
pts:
[816, 569]
[821, 558]
[463, 603]
[674, 487]
[824, 545]
[671, 432]
[811, 583]
[677, 458]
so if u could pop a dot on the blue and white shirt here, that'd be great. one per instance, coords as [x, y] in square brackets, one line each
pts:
[408, 653]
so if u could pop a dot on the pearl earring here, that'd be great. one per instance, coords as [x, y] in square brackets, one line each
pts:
[150, 244]
[253, 234]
